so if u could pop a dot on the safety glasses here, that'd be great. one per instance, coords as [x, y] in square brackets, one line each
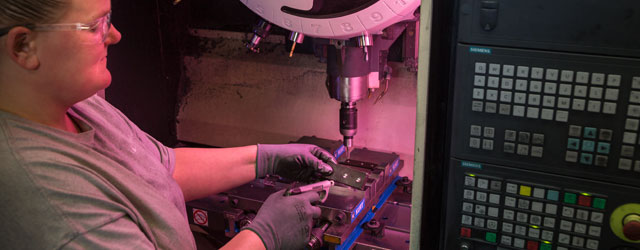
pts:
[99, 28]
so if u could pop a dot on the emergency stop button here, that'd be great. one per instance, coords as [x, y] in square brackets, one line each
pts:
[631, 228]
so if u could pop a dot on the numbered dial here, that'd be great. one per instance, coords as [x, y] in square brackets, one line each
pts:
[346, 21]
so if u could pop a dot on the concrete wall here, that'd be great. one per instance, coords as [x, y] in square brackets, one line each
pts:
[232, 97]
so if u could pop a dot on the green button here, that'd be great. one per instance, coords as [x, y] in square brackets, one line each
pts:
[588, 146]
[573, 143]
[599, 203]
[570, 198]
[490, 237]
[544, 246]
[590, 132]
[586, 159]
[603, 147]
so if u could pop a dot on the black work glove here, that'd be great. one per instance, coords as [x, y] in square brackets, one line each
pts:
[285, 222]
[292, 161]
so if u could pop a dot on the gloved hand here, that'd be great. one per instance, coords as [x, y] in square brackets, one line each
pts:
[292, 161]
[285, 222]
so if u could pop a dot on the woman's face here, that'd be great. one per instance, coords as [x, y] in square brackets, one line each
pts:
[73, 63]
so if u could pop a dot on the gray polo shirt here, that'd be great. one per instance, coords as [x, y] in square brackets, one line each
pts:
[109, 187]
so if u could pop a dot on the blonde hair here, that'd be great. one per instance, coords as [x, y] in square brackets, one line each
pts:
[18, 12]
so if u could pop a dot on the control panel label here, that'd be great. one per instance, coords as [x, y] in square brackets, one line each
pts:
[469, 164]
[357, 211]
[394, 166]
[480, 50]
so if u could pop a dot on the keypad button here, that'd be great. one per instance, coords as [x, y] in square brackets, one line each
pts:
[550, 88]
[535, 86]
[562, 116]
[523, 204]
[597, 79]
[477, 106]
[494, 69]
[492, 211]
[578, 104]
[467, 207]
[629, 137]
[505, 109]
[566, 225]
[594, 106]
[568, 212]
[525, 190]
[590, 132]
[518, 111]
[599, 203]
[582, 214]
[624, 164]
[565, 89]
[481, 196]
[546, 114]
[470, 181]
[467, 220]
[535, 220]
[580, 228]
[626, 151]
[483, 183]
[631, 124]
[577, 241]
[575, 131]
[523, 71]
[534, 100]
[548, 101]
[597, 217]
[633, 111]
[547, 235]
[537, 206]
[510, 201]
[468, 194]
[479, 81]
[521, 230]
[524, 137]
[478, 93]
[478, 222]
[588, 145]
[604, 147]
[609, 108]
[522, 217]
[480, 209]
[571, 156]
[507, 227]
[537, 73]
[611, 94]
[508, 214]
[606, 134]
[496, 185]
[510, 135]
[512, 188]
[505, 96]
[534, 233]
[481, 68]
[601, 160]
[492, 224]
[520, 98]
[582, 77]
[476, 130]
[573, 144]
[523, 149]
[533, 112]
[580, 91]
[594, 231]
[566, 76]
[487, 144]
[552, 75]
[592, 244]
[564, 238]
[508, 70]
[595, 92]
[549, 222]
[635, 82]
[509, 147]
[586, 159]
[536, 151]
[614, 80]
[493, 82]
[465, 232]
[490, 107]
[550, 208]
[553, 195]
[521, 85]
[492, 95]
[494, 198]
[538, 192]
[517, 242]
[505, 240]
[474, 142]
[564, 103]
[570, 198]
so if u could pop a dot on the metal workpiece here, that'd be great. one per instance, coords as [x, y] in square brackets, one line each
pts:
[348, 176]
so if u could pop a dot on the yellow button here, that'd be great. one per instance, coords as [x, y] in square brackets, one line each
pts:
[525, 190]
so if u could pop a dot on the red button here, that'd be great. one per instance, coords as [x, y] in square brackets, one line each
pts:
[532, 245]
[465, 232]
[584, 200]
